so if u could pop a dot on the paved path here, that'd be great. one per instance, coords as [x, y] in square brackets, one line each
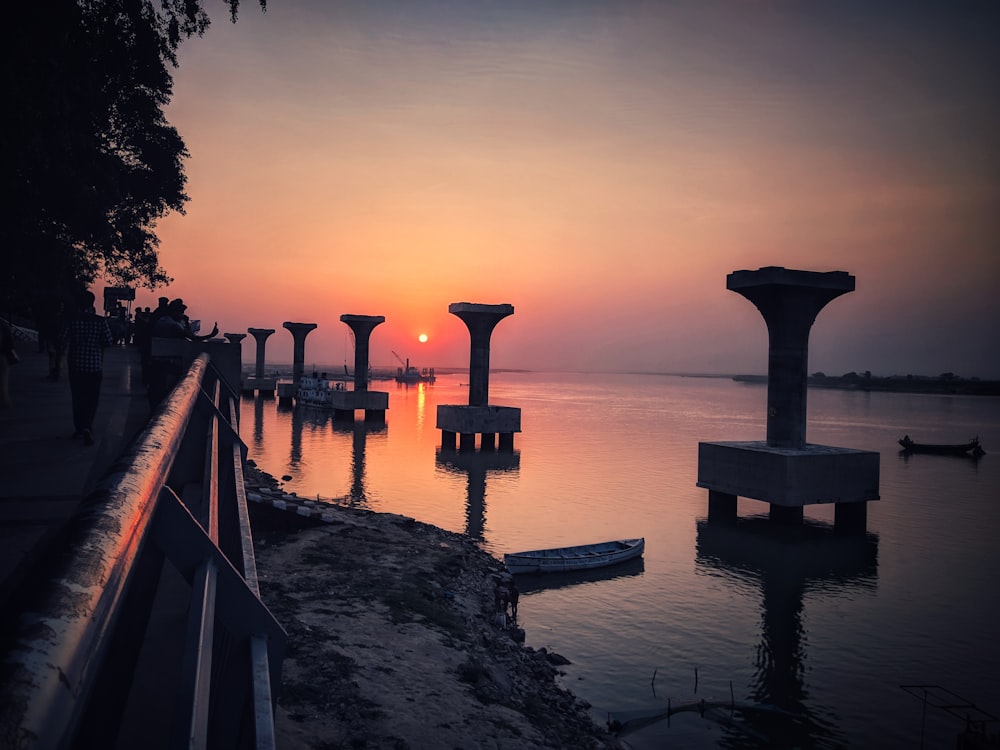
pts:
[44, 472]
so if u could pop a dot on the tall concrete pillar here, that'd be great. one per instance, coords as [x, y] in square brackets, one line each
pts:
[234, 338]
[480, 320]
[362, 326]
[789, 301]
[260, 334]
[299, 332]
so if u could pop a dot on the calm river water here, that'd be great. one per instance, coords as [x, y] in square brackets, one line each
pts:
[825, 628]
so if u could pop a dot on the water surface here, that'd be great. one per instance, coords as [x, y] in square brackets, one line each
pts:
[822, 627]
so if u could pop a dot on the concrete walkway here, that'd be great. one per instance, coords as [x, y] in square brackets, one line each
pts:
[44, 472]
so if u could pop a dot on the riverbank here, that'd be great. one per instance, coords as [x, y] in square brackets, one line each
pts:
[393, 641]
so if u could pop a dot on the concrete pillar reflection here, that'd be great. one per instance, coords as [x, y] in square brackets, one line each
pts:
[260, 334]
[362, 327]
[299, 332]
[789, 301]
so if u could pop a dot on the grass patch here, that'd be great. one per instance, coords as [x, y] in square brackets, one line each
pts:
[412, 599]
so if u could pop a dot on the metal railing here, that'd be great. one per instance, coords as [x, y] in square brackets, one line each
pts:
[150, 630]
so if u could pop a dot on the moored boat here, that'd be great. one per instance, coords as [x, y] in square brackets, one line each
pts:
[580, 557]
[971, 448]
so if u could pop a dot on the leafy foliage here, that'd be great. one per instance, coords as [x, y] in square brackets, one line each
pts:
[90, 162]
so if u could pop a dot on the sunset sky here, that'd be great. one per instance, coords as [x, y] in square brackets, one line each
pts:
[601, 166]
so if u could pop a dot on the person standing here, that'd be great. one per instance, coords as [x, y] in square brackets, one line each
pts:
[84, 340]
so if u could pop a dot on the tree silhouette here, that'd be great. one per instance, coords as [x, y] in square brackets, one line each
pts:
[90, 162]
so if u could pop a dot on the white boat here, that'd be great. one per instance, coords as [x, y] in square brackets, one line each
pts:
[581, 557]
[316, 390]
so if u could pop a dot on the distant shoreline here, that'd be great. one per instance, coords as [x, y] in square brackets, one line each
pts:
[941, 385]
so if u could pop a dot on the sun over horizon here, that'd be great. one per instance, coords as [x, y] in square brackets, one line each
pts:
[600, 168]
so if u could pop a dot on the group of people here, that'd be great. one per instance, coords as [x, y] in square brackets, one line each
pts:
[80, 335]
[168, 321]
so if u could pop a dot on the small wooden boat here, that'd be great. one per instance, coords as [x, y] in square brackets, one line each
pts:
[971, 448]
[581, 557]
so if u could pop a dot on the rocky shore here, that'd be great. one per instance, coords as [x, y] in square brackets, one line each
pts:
[393, 640]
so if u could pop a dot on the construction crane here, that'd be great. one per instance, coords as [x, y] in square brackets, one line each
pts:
[404, 364]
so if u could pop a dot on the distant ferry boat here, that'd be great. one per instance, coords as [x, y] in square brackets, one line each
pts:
[317, 390]
[410, 374]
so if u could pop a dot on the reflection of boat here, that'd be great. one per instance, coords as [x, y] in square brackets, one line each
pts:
[528, 583]
[581, 557]
[972, 447]
[409, 374]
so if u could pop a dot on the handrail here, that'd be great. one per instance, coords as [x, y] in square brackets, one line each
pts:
[133, 523]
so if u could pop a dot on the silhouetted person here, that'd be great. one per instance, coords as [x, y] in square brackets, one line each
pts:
[84, 339]
[175, 324]
[163, 373]
[513, 595]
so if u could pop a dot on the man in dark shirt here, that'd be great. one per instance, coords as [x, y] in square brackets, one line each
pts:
[84, 339]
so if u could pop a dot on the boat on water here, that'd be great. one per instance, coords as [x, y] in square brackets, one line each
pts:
[580, 557]
[972, 448]
[316, 390]
[410, 374]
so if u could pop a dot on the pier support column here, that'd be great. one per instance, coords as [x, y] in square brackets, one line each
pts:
[786, 471]
[480, 320]
[789, 301]
[721, 507]
[234, 338]
[479, 417]
[260, 335]
[299, 332]
[362, 327]
[448, 440]
[487, 442]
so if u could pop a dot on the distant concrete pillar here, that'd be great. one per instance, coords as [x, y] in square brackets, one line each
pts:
[789, 301]
[362, 326]
[299, 332]
[480, 320]
[260, 334]
[235, 338]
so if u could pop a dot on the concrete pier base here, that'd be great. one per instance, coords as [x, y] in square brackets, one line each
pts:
[373, 403]
[490, 422]
[788, 479]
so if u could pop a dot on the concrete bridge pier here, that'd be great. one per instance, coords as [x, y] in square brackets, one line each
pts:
[786, 471]
[234, 338]
[374, 403]
[479, 417]
[299, 332]
[258, 383]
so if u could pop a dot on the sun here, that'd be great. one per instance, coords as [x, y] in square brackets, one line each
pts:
[422, 338]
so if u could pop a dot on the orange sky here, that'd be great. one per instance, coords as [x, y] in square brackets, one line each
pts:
[601, 166]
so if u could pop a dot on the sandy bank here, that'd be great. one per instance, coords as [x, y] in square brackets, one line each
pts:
[393, 643]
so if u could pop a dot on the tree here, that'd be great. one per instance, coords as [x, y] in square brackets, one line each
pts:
[90, 162]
